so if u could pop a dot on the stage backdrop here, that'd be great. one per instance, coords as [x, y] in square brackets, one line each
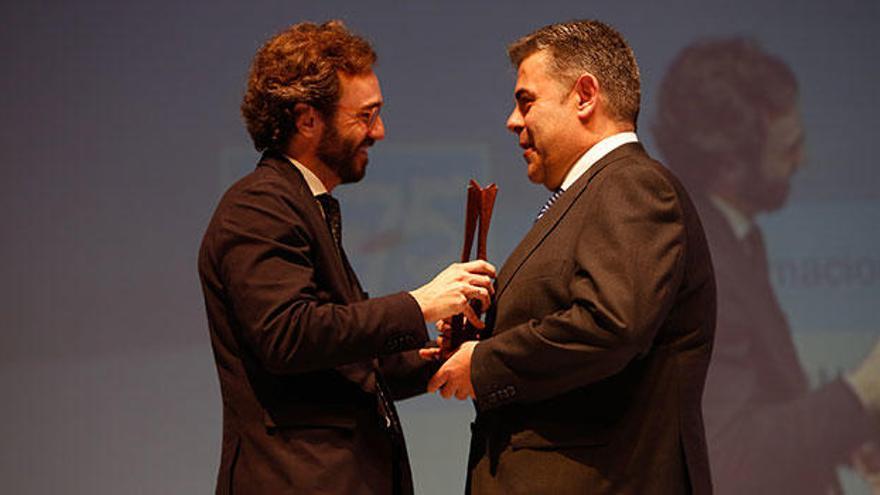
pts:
[120, 130]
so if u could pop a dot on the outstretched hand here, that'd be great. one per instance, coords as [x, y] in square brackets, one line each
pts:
[866, 461]
[454, 376]
[865, 381]
[435, 352]
[448, 294]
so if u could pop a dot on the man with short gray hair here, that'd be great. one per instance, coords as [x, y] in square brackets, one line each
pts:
[591, 377]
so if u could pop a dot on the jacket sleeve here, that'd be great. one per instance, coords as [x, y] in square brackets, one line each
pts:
[812, 431]
[406, 374]
[628, 264]
[266, 261]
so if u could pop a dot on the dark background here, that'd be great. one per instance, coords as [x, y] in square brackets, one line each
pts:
[120, 129]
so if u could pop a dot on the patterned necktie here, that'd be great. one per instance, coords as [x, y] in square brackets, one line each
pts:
[332, 216]
[552, 199]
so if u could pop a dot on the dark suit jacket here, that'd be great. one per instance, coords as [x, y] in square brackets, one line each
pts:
[295, 341]
[603, 322]
[767, 432]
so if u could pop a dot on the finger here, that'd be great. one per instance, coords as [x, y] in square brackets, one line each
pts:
[443, 327]
[472, 317]
[438, 380]
[462, 393]
[479, 266]
[483, 266]
[481, 295]
[480, 280]
[484, 282]
[477, 294]
[431, 354]
[447, 391]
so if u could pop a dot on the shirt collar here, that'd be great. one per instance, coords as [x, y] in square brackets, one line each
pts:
[312, 180]
[739, 222]
[595, 154]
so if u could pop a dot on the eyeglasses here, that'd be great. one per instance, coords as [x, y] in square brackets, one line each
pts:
[368, 117]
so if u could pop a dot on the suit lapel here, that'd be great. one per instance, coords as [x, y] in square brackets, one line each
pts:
[341, 279]
[745, 276]
[548, 222]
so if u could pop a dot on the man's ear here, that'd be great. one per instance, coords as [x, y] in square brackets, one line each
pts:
[586, 90]
[308, 121]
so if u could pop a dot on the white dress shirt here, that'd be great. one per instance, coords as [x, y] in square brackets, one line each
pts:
[595, 154]
[312, 180]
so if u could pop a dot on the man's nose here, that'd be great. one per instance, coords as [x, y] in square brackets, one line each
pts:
[515, 121]
[377, 132]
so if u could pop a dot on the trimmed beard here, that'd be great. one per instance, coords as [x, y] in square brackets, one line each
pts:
[340, 153]
[762, 193]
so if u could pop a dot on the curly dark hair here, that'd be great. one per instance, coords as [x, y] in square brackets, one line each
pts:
[714, 106]
[299, 65]
[588, 46]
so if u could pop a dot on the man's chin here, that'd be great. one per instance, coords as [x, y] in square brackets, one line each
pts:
[360, 165]
[535, 173]
[769, 197]
[776, 199]
[360, 173]
[355, 172]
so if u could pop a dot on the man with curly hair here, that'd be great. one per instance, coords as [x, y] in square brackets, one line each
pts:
[308, 364]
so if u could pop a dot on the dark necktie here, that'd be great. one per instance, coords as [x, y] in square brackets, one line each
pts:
[332, 216]
[552, 199]
[333, 219]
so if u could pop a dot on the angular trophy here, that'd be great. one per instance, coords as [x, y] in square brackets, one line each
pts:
[480, 202]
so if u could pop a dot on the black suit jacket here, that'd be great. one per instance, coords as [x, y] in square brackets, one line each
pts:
[603, 323]
[295, 341]
[767, 431]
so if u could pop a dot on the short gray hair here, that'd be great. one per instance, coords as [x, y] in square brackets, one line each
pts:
[590, 46]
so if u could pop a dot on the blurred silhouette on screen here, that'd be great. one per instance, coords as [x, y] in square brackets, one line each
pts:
[729, 124]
